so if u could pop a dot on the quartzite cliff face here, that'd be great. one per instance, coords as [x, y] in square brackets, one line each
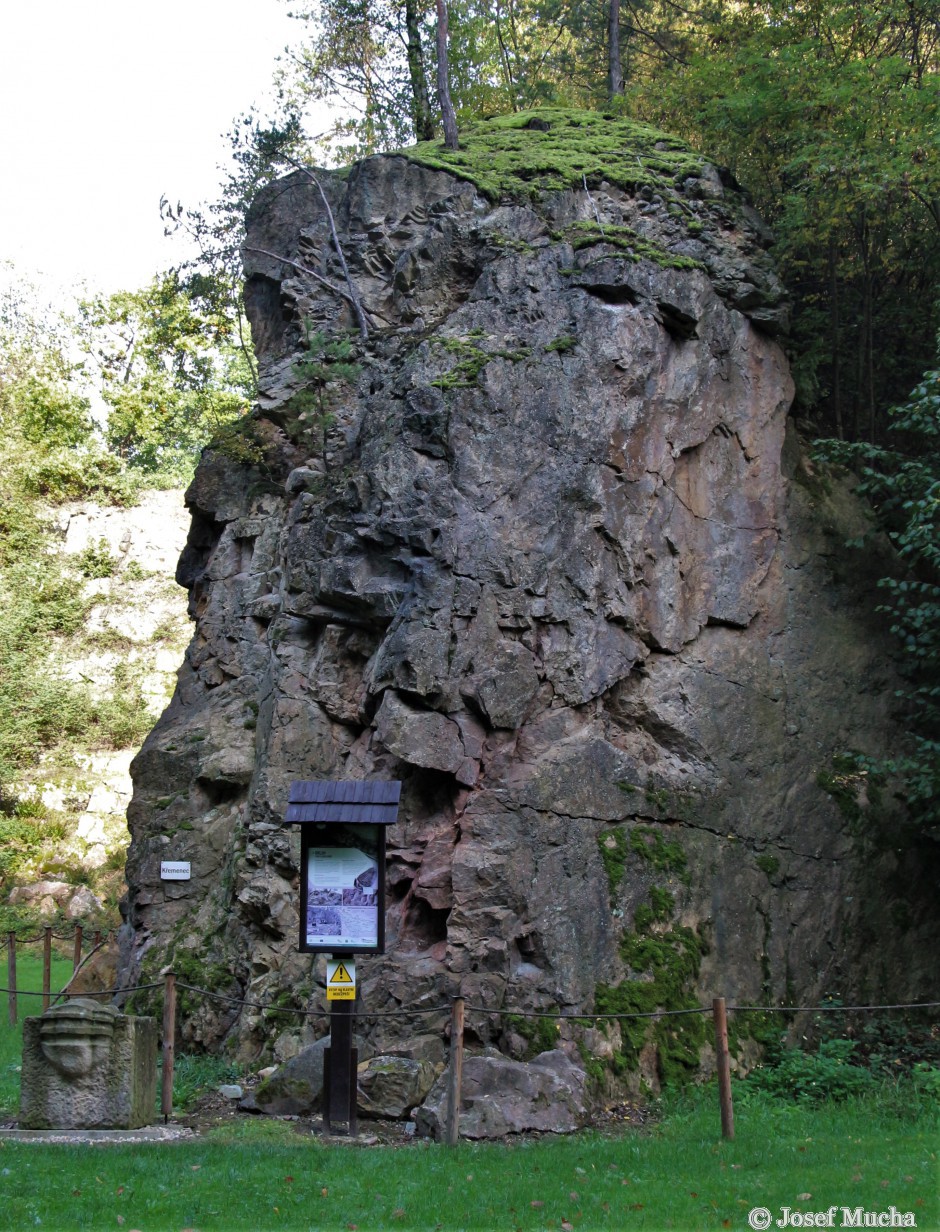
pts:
[553, 571]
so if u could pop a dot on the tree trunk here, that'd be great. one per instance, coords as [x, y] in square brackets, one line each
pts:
[421, 106]
[834, 332]
[443, 79]
[614, 66]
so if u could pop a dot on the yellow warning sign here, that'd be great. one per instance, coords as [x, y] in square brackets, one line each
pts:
[340, 980]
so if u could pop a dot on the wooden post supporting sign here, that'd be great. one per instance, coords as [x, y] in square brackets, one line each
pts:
[341, 1059]
[723, 1063]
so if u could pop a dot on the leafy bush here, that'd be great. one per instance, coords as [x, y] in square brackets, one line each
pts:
[903, 485]
[70, 474]
[96, 560]
[812, 1077]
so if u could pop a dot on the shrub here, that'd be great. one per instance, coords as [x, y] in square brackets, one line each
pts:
[812, 1077]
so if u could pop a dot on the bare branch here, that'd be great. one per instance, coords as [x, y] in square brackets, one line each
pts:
[324, 282]
[353, 296]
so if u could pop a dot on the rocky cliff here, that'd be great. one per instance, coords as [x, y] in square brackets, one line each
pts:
[554, 562]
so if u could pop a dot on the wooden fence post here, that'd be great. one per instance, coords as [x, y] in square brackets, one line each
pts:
[169, 1044]
[77, 949]
[11, 977]
[456, 1070]
[723, 1063]
[46, 967]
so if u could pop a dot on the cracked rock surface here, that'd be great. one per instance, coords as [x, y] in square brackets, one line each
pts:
[559, 569]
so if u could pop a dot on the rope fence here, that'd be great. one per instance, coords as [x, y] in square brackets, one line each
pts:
[457, 1011]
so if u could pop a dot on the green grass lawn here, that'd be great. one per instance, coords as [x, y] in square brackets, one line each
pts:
[252, 1175]
[259, 1175]
[28, 980]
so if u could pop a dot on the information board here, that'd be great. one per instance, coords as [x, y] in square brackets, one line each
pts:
[342, 888]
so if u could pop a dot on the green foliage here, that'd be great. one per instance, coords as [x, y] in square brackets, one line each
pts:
[813, 1077]
[214, 278]
[326, 364]
[472, 358]
[663, 964]
[903, 485]
[42, 401]
[172, 371]
[62, 474]
[194, 1074]
[240, 441]
[586, 234]
[854, 783]
[541, 1033]
[563, 344]
[768, 864]
[660, 908]
[45, 715]
[97, 561]
[842, 160]
[357, 57]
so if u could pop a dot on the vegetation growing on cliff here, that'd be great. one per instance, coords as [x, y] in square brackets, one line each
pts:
[528, 153]
[841, 160]
[72, 685]
[903, 483]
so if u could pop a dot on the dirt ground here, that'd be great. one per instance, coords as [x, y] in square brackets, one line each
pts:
[212, 1110]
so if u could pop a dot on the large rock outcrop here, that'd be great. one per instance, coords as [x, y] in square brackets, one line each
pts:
[557, 566]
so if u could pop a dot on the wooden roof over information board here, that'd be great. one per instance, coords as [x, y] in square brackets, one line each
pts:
[373, 801]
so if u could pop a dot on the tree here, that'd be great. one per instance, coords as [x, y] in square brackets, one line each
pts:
[443, 79]
[218, 229]
[903, 484]
[615, 68]
[842, 161]
[172, 371]
[367, 60]
[42, 394]
[422, 118]
[326, 363]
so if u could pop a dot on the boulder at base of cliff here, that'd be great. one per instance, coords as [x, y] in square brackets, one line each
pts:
[502, 1097]
[390, 1087]
[294, 1089]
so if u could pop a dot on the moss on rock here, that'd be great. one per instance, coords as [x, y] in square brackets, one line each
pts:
[664, 966]
[506, 158]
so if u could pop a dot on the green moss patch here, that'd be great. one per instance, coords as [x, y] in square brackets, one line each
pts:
[587, 234]
[613, 849]
[665, 855]
[506, 159]
[541, 1034]
[663, 965]
[472, 358]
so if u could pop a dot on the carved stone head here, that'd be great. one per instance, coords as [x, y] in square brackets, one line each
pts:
[76, 1036]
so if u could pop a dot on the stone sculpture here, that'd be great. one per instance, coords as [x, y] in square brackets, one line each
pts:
[88, 1066]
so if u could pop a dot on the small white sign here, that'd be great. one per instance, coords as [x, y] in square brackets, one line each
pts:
[174, 870]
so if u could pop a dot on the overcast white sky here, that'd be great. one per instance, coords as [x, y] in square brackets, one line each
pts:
[107, 104]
